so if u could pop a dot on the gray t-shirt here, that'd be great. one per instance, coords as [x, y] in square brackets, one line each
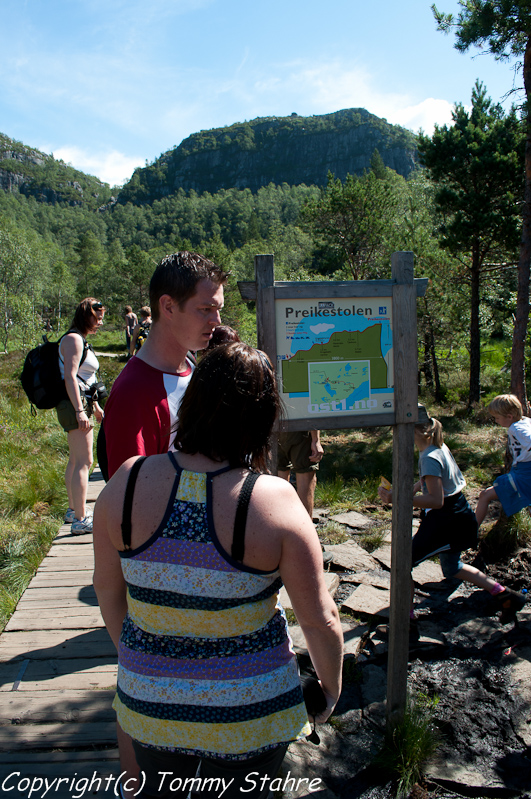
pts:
[439, 462]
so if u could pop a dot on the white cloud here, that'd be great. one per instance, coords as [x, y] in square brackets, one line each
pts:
[423, 116]
[111, 166]
[331, 86]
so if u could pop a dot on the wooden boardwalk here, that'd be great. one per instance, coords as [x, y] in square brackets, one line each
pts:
[57, 678]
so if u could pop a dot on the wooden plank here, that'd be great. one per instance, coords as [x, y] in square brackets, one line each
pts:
[54, 644]
[60, 549]
[85, 593]
[59, 603]
[60, 578]
[87, 757]
[83, 618]
[52, 736]
[406, 408]
[34, 707]
[339, 422]
[58, 675]
[73, 563]
[290, 290]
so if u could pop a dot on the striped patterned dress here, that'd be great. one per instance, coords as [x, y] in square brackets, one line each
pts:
[205, 660]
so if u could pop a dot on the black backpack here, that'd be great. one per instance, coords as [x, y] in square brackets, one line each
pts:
[41, 378]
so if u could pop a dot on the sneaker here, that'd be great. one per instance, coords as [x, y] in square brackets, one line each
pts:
[510, 602]
[82, 526]
[70, 515]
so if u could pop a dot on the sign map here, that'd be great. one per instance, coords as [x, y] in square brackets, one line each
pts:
[334, 356]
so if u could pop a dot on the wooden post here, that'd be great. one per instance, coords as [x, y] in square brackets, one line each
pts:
[406, 409]
[264, 270]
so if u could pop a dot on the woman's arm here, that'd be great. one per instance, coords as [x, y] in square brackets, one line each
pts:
[108, 579]
[301, 569]
[72, 347]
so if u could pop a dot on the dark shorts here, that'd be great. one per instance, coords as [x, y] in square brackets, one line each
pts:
[66, 414]
[166, 773]
[446, 532]
[294, 450]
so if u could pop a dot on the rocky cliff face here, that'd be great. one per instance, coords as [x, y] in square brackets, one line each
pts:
[35, 174]
[291, 150]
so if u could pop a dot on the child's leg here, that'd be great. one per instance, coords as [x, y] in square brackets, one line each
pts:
[486, 496]
[472, 575]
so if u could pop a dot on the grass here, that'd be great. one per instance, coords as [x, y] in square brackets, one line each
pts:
[507, 535]
[410, 744]
[33, 457]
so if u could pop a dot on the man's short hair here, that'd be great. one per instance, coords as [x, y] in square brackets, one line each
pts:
[506, 405]
[145, 311]
[178, 275]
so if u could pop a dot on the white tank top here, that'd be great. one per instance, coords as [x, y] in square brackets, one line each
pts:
[87, 371]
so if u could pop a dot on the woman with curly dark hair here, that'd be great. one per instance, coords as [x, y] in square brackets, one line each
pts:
[188, 579]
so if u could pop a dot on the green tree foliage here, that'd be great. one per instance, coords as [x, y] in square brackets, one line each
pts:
[505, 27]
[477, 164]
[356, 217]
[23, 272]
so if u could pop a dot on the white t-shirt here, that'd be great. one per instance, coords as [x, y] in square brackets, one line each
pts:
[519, 434]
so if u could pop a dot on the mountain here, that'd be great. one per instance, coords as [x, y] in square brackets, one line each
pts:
[35, 174]
[291, 150]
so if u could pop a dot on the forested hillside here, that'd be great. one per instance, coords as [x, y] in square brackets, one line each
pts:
[63, 237]
[295, 150]
[38, 175]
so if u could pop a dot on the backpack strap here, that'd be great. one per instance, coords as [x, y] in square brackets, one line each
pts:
[238, 538]
[86, 346]
[128, 502]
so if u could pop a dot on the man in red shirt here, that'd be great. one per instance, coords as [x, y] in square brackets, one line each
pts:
[186, 296]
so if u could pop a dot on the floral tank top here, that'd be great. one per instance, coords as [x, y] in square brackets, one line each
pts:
[205, 662]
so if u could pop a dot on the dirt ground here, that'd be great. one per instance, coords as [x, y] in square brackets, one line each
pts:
[467, 659]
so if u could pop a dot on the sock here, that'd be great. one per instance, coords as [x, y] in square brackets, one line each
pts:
[496, 589]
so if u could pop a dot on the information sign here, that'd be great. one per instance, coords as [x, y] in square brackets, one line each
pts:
[335, 356]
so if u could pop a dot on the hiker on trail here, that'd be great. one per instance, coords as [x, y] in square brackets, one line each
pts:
[78, 366]
[131, 320]
[513, 489]
[186, 297]
[188, 582]
[448, 524]
[141, 330]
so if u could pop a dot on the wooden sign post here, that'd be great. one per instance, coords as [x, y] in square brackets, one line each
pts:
[346, 357]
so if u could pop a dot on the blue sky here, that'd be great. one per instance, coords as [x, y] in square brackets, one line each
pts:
[108, 84]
